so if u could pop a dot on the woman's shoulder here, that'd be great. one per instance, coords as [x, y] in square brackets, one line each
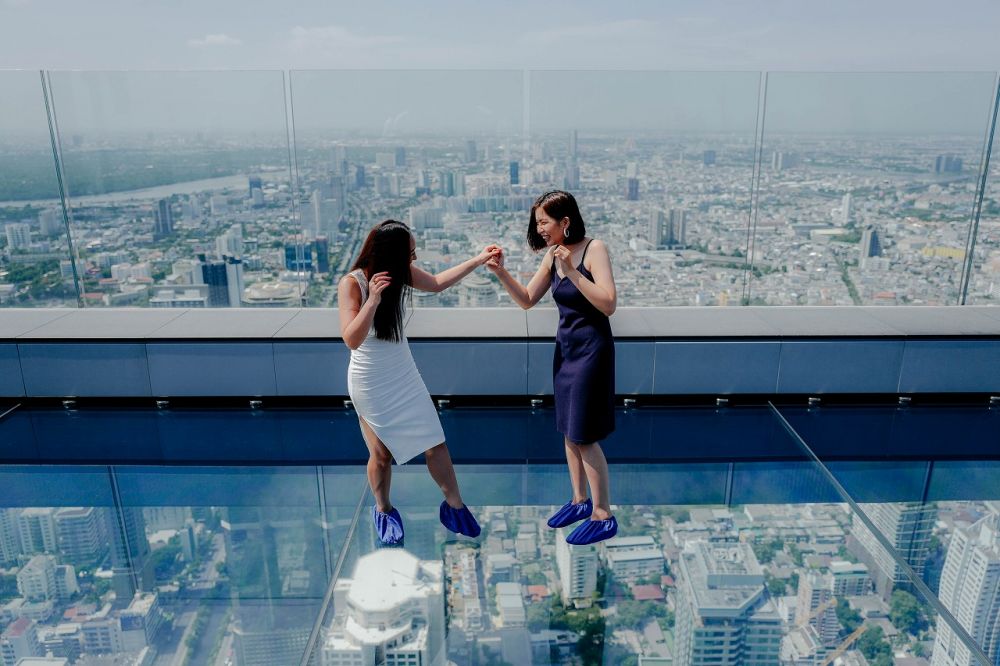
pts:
[596, 244]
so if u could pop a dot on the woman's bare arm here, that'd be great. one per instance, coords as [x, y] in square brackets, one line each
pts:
[601, 292]
[528, 296]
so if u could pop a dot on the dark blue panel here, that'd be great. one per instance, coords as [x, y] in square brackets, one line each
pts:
[716, 367]
[950, 365]
[86, 369]
[634, 368]
[218, 486]
[17, 439]
[329, 435]
[843, 432]
[11, 383]
[311, 368]
[472, 368]
[840, 366]
[211, 369]
[539, 367]
[779, 483]
[502, 435]
[965, 480]
[688, 433]
[669, 484]
[96, 435]
[55, 485]
[946, 432]
[219, 435]
[895, 481]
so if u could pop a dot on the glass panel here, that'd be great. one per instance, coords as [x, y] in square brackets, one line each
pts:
[866, 189]
[661, 163]
[35, 267]
[436, 150]
[984, 285]
[179, 185]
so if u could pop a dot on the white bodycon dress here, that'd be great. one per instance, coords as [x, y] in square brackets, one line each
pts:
[389, 393]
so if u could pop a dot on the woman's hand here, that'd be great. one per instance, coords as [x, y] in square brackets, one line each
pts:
[495, 263]
[563, 255]
[378, 284]
[488, 253]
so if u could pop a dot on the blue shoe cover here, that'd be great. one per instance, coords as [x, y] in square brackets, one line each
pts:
[459, 520]
[388, 526]
[593, 531]
[571, 513]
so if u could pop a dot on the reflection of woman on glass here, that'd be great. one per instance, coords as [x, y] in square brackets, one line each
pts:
[398, 419]
[578, 271]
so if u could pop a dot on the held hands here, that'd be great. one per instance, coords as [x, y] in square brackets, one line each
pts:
[489, 253]
[495, 262]
[378, 284]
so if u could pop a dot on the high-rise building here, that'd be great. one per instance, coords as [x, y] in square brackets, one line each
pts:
[817, 607]
[230, 243]
[37, 531]
[846, 209]
[515, 173]
[471, 153]
[36, 580]
[10, 538]
[298, 255]
[50, 222]
[577, 567]
[322, 244]
[478, 292]
[18, 235]
[392, 613]
[947, 164]
[708, 157]
[219, 204]
[573, 143]
[724, 613]
[632, 189]
[129, 552]
[572, 177]
[214, 274]
[400, 153]
[630, 559]
[850, 579]
[667, 230]
[359, 177]
[970, 589]
[81, 533]
[164, 220]
[871, 244]
[339, 161]
[908, 527]
[254, 183]
[234, 281]
[19, 641]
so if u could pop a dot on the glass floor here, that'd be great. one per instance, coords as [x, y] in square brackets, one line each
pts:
[749, 535]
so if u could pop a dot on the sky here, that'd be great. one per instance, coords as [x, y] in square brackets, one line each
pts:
[882, 65]
[910, 35]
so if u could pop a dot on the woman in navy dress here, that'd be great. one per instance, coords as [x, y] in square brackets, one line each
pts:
[577, 269]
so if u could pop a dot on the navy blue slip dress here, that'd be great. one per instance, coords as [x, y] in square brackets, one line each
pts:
[584, 364]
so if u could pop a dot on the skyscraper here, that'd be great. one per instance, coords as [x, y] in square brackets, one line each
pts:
[668, 230]
[234, 281]
[515, 175]
[164, 220]
[214, 275]
[724, 614]
[947, 164]
[708, 157]
[37, 531]
[322, 254]
[572, 178]
[846, 209]
[577, 570]
[254, 183]
[391, 611]
[81, 533]
[632, 189]
[572, 143]
[970, 589]
[18, 236]
[908, 526]
[871, 244]
[50, 222]
[471, 153]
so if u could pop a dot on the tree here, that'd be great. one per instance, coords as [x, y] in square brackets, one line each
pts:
[776, 587]
[905, 612]
[849, 618]
[873, 645]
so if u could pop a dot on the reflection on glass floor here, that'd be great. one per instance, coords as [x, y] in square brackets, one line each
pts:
[781, 559]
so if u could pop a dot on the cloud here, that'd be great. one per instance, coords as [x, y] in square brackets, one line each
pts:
[215, 39]
[334, 44]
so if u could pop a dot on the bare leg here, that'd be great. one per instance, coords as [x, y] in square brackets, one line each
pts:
[577, 475]
[443, 472]
[596, 466]
[379, 467]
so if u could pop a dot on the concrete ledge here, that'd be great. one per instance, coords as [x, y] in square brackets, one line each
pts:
[503, 351]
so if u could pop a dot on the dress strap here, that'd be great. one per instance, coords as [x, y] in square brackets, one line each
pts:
[585, 248]
[359, 275]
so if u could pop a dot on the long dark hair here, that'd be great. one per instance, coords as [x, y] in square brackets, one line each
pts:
[557, 204]
[387, 248]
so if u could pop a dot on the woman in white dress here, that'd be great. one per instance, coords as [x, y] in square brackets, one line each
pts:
[398, 419]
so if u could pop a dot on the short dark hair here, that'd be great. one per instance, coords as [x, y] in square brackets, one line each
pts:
[387, 248]
[557, 204]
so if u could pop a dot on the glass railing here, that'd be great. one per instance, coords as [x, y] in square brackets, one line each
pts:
[255, 188]
[215, 536]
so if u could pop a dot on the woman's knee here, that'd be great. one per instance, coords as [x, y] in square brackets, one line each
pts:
[380, 457]
[435, 450]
